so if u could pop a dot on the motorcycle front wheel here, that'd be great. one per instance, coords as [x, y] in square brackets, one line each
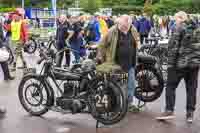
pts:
[33, 95]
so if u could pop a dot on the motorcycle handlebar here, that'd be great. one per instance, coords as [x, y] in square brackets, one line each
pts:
[44, 56]
[40, 61]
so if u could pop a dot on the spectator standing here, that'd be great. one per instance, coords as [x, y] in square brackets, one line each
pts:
[75, 38]
[61, 36]
[144, 28]
[118, 51]
[182, 64]
[4, 65]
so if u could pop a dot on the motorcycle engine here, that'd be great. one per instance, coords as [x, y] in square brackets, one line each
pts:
[74, 105]
[67, 102]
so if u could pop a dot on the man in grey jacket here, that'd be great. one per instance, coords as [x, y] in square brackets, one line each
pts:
[183, 62]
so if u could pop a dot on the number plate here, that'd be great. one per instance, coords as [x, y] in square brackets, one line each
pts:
[29, 70]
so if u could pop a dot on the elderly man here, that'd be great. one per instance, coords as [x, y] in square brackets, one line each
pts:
[182, 63]
[118, 51]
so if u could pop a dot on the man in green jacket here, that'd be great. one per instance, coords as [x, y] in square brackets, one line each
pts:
[118, 51]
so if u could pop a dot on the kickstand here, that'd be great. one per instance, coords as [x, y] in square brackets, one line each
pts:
[97, 124]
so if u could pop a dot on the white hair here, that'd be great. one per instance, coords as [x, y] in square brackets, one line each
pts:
[63, 16]
[182, 14]
[129, 18]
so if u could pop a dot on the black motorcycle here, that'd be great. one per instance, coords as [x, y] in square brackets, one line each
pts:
[74, 90]
[35, 42]
[149, 78]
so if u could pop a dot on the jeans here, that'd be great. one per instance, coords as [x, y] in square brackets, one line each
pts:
[190, 76]
[76, 46]
[60, 59]
[142, 37]
[131, 84]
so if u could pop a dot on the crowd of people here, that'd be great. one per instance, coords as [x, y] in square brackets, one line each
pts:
[117, 40]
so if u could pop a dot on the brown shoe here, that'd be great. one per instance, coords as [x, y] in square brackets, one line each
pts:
[167, 115]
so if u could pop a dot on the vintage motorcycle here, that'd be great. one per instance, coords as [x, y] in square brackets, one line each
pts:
[72, 90]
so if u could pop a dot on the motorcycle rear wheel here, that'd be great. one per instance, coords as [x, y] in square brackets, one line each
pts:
[118, 104]
[150, 81]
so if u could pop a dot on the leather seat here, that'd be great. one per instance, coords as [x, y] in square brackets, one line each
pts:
[146, 59]
[66, 74]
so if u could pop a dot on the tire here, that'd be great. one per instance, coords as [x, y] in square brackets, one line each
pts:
[31, 47]
[24, 99]
[147, 84]
[119, 104]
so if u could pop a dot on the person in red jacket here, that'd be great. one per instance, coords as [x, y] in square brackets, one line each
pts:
[19, 36]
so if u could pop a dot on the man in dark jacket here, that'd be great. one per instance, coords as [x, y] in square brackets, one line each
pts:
[61, 36]
[183, 62]
[75, 38]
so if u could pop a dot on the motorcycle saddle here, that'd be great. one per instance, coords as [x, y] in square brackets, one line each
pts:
[146, 59]
[66, 74]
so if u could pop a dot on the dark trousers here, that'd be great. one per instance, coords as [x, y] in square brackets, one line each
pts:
[5, 69]
[190, 75]
[142, 37]
[60, 58]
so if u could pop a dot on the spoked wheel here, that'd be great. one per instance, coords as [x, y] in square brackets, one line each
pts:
[150, 84]
[31, 46]
[33, 96]
[108, 103]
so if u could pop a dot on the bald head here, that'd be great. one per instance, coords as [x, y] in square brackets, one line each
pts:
[124, 23]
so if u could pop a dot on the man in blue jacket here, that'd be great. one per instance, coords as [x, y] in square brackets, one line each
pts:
[94, 34]
[144, 28]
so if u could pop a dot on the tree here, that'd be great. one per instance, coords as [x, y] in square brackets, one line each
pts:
[148, 7]
[9, 3]
[65, 3]
[90, 6]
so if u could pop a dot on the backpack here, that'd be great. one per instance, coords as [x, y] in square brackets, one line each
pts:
[92, 32]
[143, 27]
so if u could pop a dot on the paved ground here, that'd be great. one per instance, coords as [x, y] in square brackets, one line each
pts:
[18, 121]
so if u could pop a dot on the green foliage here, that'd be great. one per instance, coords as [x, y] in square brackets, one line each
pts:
[7, 9]
[90, 6]
[126, 9]
[172, 6]
[65, 3]
[148, 7]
